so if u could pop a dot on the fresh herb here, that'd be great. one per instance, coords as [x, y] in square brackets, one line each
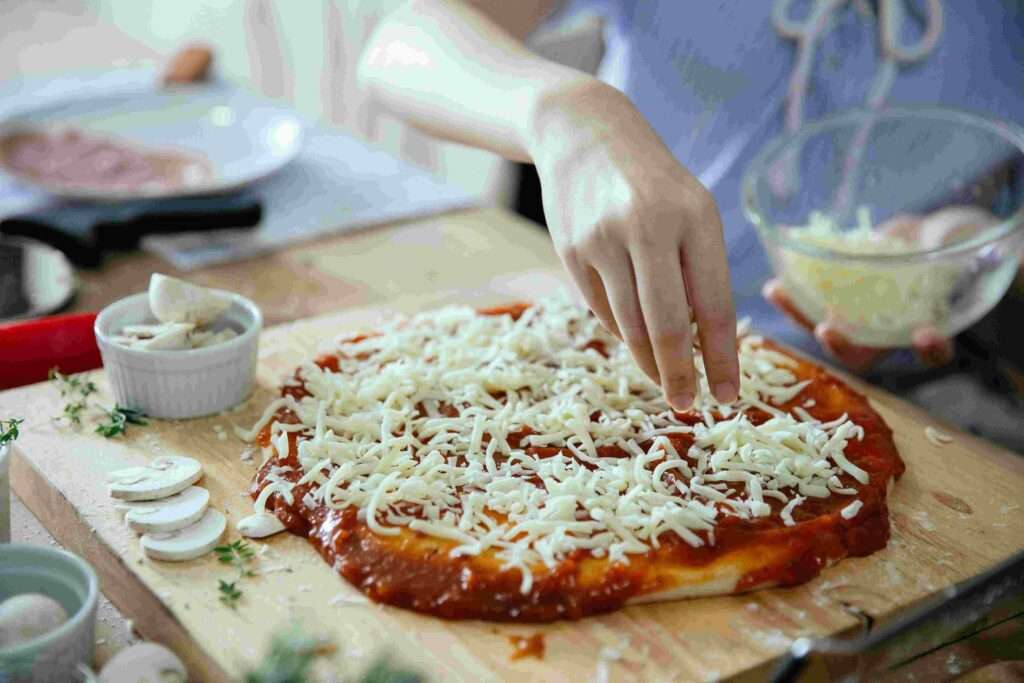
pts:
[75, 391]
[118, 419]
[238, 554]
[9, 430]
[290, 658]
[229, 594]
[293, 653]
[383, 672]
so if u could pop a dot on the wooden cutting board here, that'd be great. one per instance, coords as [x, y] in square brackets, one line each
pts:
[956, 512]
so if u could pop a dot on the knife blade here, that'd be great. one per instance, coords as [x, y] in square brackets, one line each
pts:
[954, 613]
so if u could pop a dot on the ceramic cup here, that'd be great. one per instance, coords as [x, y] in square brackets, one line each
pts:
[186, 383]
[69, 580]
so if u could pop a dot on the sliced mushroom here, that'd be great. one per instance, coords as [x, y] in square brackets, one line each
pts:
[144, 663]
[202, 338]
[161, 478]
[176, 301]
[188, 543]
[168, 514]
[259, 525]
[162, 337]
[28, 616]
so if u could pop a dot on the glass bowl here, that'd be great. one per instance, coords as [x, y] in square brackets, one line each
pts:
[886, 222]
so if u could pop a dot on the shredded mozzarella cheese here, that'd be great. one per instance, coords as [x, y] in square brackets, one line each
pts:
[522, 438]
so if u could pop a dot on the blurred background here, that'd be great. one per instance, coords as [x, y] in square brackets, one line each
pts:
[301, 53]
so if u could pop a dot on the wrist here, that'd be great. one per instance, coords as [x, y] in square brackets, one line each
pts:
[569, 114]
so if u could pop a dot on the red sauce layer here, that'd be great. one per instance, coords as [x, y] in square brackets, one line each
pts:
[527, 646]
[414, 571]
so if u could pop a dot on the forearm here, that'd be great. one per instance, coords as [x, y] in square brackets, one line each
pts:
[447, 68]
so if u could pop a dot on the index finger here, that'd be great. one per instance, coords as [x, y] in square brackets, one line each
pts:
[709, 289]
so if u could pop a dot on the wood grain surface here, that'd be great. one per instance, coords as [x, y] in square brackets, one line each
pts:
[955, 513]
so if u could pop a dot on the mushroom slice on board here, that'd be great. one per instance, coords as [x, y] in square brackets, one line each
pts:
[259, 525]
[161, 478]
[176, 301]
[167, 514]
[188, 543]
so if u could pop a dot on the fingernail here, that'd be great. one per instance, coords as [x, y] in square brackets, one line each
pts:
[725, 392]
[681, 402]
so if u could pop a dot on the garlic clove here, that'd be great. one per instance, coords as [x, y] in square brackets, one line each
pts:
[259, 525]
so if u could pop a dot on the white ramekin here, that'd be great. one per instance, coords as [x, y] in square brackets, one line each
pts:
[180, 384]
[68, 579]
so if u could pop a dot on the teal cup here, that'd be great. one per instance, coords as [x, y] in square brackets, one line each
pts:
[56, 656]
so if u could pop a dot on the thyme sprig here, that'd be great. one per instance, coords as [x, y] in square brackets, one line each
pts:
[229, 593]
[9, 430]
[118, 419]
[240, 555]
[292, 654]
[76, 391]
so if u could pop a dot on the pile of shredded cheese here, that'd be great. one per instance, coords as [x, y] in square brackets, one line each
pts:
[365, 441]
[880, 302]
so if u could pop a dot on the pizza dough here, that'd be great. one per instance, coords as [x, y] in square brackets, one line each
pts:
[515, 464]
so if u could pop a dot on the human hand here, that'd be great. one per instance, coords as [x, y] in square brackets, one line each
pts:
[931, 231]
[931, 347]
[641, 237]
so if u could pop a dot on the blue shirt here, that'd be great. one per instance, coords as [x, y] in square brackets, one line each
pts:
[711, 78]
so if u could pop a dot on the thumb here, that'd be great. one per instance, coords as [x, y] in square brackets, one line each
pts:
[931, 347]
[775, 294]
[853, 356]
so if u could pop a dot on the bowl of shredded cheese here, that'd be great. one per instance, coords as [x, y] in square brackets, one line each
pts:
[888, 222]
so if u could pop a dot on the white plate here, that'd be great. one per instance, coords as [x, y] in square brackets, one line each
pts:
[243, 138]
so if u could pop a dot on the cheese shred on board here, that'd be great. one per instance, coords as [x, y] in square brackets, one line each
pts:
[535, 437]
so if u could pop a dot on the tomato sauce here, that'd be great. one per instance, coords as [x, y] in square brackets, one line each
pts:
[414, 571]
[527, 646]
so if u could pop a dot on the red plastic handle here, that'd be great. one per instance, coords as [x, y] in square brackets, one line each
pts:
[29, 349]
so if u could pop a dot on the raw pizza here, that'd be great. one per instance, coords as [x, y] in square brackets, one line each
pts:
[515, 464]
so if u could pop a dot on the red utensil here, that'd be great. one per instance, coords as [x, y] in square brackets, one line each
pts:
[29, 349]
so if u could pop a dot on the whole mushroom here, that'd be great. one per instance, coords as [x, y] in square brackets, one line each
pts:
[144, 663]
[176, 301]
[28, 616]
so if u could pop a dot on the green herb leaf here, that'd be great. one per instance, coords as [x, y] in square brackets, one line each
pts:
[289, 660]
[119, 419]
[229, 594]
[292, 654]
[238, 553]
[383, 672]
[76, 390]
[9, 430]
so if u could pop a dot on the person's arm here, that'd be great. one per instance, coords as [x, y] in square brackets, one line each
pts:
[452, 70]
[639, 234]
